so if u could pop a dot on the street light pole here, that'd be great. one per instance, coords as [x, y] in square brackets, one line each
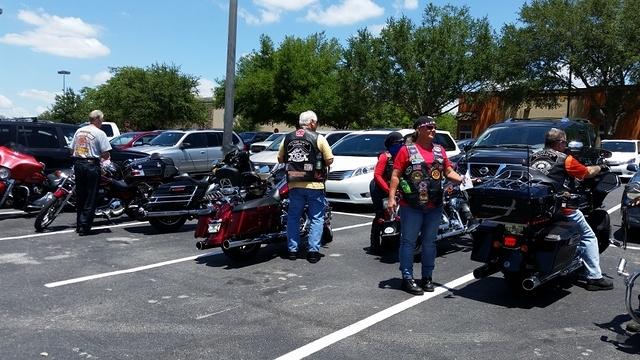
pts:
[64, 73]
[227, 142]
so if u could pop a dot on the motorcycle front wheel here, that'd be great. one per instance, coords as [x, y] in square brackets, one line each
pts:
[168, 223]
[48, 213]
[242, 253]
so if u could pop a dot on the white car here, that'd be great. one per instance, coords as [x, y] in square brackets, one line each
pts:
[256, 147]
[355, 157]
[625, 152]
[267, 157]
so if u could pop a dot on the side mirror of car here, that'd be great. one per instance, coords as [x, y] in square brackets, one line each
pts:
[632, 167]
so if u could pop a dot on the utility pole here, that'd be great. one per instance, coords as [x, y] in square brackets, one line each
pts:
[229, 88]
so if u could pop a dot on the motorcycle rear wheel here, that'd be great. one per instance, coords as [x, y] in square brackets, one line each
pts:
[242, 253]
[168, 223]
[48, 213]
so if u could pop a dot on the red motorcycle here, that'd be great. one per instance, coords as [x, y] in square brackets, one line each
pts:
[240, 226]
[23, 183]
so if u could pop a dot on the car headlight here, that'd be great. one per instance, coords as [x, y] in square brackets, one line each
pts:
[4, 173]
[363, 170]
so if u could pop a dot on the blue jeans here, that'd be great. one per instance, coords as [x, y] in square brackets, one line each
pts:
[425, 223]
[588, 248]
[316, 201]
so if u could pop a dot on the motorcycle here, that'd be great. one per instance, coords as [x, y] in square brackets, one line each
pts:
[172, 204]
[524, 232]
[23, 183]
[240, 226]
[456, 220]
[121, 190]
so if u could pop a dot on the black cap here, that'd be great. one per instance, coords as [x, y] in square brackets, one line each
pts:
[423, 120]
[392, 138]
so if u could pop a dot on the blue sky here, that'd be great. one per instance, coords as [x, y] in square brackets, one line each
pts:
[40, 37]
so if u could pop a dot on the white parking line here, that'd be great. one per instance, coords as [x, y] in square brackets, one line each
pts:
[152, 266]
[71, 230]
[350, 214]
[10, 212]
[357, 327]
[614, 209]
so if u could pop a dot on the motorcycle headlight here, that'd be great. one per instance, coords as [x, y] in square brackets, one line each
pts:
[4, 173]
[363, 170]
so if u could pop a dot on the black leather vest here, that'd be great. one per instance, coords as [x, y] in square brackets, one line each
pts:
[422, 184]
[551, 163]
[388, 168]
[303, 158]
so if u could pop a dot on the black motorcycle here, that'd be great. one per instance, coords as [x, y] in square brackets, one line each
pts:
[172, 204]
[525, 234]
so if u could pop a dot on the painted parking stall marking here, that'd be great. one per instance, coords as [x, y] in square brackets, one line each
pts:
[71, 230]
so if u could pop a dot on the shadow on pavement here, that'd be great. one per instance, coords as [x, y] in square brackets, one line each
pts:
[494, 290]
[624, 341]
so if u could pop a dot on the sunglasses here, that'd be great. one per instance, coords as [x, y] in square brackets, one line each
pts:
[429, 127]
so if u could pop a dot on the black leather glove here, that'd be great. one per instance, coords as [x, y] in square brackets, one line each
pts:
[604, 168]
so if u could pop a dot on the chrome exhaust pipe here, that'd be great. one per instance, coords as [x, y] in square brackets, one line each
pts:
[530, 283]
[199, 212]
[203, 245]
[450, 234]
[484, 271]
[265, 239]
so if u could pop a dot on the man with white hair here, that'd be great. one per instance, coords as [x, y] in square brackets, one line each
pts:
[89, 145]
[307, 155]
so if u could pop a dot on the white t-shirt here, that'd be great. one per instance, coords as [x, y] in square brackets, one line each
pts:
[89, 142]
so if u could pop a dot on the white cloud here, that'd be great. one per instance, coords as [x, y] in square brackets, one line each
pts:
[205, 88]
[61, 36]
[406, 4]
[40, 95]
[40, 109]
[265, 17]
[346, 13]
[98, 78]
[5, 102]
[269, 11]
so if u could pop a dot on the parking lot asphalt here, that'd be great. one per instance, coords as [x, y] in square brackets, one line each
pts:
[128, 292]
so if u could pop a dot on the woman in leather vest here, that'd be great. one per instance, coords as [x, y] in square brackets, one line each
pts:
[419, 170]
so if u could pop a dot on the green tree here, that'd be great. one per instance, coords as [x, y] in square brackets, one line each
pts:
[596, 41]
[68, 108]
[278, 84]
[157, 97]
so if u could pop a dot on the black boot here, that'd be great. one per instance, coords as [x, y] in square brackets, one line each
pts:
[410, 286]
[374, 239]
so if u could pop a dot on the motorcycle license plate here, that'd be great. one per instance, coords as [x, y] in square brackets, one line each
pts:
[214, 227]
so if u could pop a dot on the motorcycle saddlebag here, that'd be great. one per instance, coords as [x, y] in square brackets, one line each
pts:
[176, 195]
[149, 167]
[516, 204]
[557, 247]
[255, 217]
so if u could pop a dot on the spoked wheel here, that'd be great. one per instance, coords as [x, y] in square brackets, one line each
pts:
[242, 253]
[168, 223]
[48, 213]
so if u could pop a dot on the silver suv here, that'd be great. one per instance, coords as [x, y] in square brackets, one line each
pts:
[192, 151]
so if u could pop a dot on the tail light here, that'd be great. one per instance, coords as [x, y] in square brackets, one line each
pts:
[510, 241]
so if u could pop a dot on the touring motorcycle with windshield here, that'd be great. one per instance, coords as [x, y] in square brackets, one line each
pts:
[240, 223]
[525, 233]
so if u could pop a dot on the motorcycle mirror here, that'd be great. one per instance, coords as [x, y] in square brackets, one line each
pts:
[575, 146]
[605, 153]
[632, 167]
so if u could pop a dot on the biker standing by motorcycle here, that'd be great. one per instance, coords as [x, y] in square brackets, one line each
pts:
[379, 186]
[420, 169]
[307, 156]
[563, 168]
[89, 145]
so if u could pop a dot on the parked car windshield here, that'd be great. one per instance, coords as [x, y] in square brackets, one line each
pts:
[516, 136]
[369, 145]
[332, 138]
[275, 137]
[122, 139]
[275, 145]
[247, 136]
[619, 146]
[167, 138]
